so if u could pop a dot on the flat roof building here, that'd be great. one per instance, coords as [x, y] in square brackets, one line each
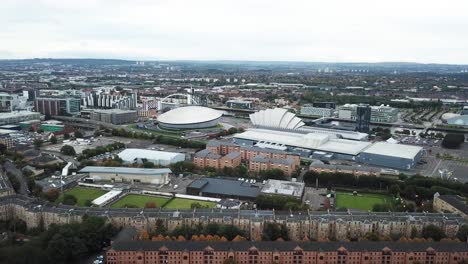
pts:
[223, 188]
[390, 155]
[285, 188]
[129, 175]
[17, 117]
[114, 116]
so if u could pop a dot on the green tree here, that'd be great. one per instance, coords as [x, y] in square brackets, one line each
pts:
[78, 134]
[68, 150]
[273, 231]
[53, 140]
[463, 233]
[453, 140]
[69, 199]
[148, 164]
[38, 143]
[3, 149]
[434, 232]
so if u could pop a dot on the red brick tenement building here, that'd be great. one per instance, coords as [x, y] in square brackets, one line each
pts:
[264, 158]
[159, 252]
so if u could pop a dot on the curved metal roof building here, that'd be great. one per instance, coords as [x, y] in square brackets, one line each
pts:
[190, 117]
[276, 118]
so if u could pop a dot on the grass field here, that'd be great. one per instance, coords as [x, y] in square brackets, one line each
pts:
[82, 194]
[179, 203]
[363, 201]
[139, 201]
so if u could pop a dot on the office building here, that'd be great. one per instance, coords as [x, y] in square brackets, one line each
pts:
[17, 117]
[331, 105]
[114, 116]
[239, 104]
[56, 106]
[363, 116]
[6, 102]
[382, 113]
[316, 111]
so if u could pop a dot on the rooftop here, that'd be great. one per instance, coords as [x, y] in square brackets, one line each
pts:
[228, 187]
[124, 170]
[369, 246]
[283, 188]
[263, 159]
[316, 141]
[131, 154]
[18, 114]
[455, 202]
[393, 150]
[189, 115]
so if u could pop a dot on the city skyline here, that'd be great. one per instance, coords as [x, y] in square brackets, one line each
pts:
[332, 31]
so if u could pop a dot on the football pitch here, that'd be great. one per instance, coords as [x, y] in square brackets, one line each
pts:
[361, 201]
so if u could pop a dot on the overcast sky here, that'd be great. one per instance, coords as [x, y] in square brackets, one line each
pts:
[428, 31]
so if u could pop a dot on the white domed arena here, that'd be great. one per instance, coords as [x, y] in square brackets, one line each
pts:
[189, 117]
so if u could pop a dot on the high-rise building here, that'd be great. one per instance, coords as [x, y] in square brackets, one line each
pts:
[363, 117]
[109, 101]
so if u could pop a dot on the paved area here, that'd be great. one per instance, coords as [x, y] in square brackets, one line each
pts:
[314, 198]
[79, 146]
[10, 167]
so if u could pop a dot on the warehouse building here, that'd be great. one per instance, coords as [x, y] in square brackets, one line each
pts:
[396, 156]
[128, 175]
[160, 158]
[223, 188]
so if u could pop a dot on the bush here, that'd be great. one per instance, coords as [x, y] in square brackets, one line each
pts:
[68, 150]
[453, 140]
[69, 199]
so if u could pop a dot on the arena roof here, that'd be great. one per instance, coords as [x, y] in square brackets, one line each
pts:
[189, 115]
[277, 117]
[131, 154]
[314, 141]
[393, 150]
[124, 170]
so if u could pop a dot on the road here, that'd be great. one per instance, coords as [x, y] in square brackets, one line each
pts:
[10, 167]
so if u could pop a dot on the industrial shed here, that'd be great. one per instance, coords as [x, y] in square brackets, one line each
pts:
[130, 175]
[396, 156]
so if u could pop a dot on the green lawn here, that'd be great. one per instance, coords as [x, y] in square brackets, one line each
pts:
[139, 201]
[179, 203]
[363, 201]
[83, 194]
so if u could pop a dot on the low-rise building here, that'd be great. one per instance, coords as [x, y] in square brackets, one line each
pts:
[223, 188]
[129, 175]
[159, 158]
[284, 188]
[261, 163]
[450, 203]
[205, 158]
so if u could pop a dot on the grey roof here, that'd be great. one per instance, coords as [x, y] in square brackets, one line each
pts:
[263, 159]
[233, 155]
[225, 187]
[455, 202]
[202, 153]
[367, 246]
[344, 167]
[124, 170]
[217, 143]
[266, 150]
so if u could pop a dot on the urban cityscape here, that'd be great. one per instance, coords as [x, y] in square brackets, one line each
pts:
[120, 158]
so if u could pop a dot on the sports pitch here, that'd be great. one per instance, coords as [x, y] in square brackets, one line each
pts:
[82, 194]
[136, 200]
[139, 201]
[361, 201]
